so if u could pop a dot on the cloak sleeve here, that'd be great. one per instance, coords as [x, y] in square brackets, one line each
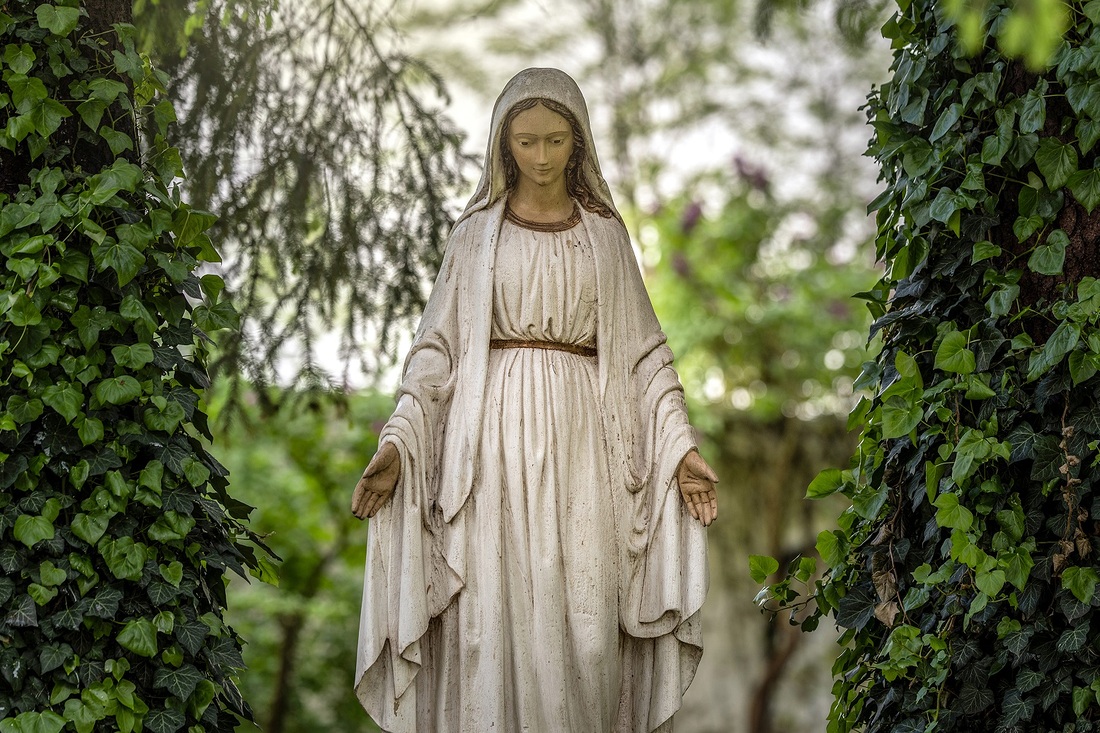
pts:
[664, 557]
[407, 580]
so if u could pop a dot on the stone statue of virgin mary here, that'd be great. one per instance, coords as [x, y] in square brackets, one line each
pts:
[537, 555]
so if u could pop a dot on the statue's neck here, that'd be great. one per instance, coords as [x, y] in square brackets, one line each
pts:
[546, 204]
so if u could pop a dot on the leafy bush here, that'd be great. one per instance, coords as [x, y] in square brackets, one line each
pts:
[965, 571]
[115, 528]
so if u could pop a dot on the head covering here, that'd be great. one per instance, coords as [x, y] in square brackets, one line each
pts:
[557, 86]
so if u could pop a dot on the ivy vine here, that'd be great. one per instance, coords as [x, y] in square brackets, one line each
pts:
[964, 573]
[116, 530]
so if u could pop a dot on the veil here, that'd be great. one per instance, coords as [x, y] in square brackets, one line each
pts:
[556, 86]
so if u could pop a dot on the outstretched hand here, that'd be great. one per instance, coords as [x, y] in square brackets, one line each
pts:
[697, 480]
[378, 482]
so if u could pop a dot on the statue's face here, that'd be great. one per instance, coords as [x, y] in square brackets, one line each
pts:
[541, 142]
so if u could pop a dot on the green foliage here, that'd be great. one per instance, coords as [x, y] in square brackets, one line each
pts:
[965, 573]
[1030, 30]
[115, 527]
[753, 313]
[298, 466]
[324, 148]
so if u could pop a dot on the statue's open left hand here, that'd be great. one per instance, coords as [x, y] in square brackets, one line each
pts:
[378, 482]
[697, 481]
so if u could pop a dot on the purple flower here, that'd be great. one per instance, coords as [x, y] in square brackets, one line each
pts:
[690, 217]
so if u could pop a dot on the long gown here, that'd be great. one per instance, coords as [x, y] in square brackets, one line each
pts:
[525, 626]
[536, 629]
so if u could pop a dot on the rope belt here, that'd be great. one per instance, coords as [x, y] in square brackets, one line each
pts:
[548, 345]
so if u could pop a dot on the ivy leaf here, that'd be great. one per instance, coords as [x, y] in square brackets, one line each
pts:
[45, 722]
[1000, 302]
[1025, 226]
[1056, 161]
[172, 573]
[856, 608]
[46, 116]
[91, 111]
[1082, 698]
[1074, 638]
[83, 716]
[996, 145]
[1016, 708]
[19, 58]
[1085, 186]
[1081, 582]
[1048, 259]
[90, 430]
[30, 529]
[60, 21]
[121, 257]
[831, 547]
[1088, 132]
[64, 397]
[23, 410]
[761, 566]
[974, 699]
[119, 142]
[217, 317]
[23, 311]
[990, 582]
[118, 390]
[1060, 343]
[826, 483]
[24, 614]
[1033, 113]
[124, 557]
[946, 121]
[164, 720]
[171, 526]
[900, 417]
[52, 656]
[984, 250]
[953, 354]
[167, 419]
[121, 176]
[951, 514]
[140, 637]
[90, 527]
[134, 355]
[51, 575]
[180, 682]
[192, 634]
[105, 604]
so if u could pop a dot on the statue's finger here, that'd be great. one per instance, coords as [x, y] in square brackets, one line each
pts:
[690, 505]
[372, 505]
[701, 506]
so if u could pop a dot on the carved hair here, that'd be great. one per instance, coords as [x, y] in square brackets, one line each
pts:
[575, 183]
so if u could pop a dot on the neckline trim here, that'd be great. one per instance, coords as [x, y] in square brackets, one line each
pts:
[543, 226]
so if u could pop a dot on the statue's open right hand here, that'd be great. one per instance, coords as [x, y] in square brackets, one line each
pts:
[378, 482]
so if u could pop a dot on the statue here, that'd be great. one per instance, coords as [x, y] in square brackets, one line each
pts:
[537, 556]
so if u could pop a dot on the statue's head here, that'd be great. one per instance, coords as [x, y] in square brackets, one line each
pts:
[556, 91]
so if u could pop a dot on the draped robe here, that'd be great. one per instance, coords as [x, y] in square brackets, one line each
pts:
[416, 560]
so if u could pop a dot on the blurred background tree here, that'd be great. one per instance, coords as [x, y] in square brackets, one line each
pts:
[296, 463]
[323, 150]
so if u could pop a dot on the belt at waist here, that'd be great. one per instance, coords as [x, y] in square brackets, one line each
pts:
[549, 345]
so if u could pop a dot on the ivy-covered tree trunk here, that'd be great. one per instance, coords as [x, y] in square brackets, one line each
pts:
[115, 528]
[965, 572]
